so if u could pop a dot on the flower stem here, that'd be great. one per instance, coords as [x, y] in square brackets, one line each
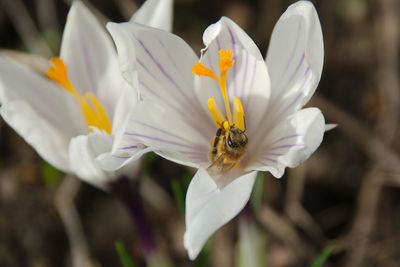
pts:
[127, 191]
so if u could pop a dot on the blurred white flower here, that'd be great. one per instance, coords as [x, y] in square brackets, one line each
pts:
[73, 115]
[251, 114]
[251, 247]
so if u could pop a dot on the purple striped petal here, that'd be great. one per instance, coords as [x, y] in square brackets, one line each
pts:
[289, 143]
[296, 46]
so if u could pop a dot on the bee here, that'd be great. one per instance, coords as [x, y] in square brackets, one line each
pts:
[227, 148]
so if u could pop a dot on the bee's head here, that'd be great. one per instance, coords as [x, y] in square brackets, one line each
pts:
[236, 138]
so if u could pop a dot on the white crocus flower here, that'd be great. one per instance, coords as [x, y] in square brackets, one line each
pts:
[252, 115]
[74, 114]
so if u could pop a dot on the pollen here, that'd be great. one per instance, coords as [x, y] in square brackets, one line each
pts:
[225, 63]
[93, 111]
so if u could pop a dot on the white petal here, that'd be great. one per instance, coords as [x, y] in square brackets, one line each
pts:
[163, 72]
[165, 132]
[159, 62]
[90, 56]
[35, 63]
[116, 160]
[208, 208]
[47, 140]
[251, 246]
[83, 151]
[229, 35]
[155, 13]
[330, 126]
[290, 143]
[127, 101]
[49, 100]
[295, 56]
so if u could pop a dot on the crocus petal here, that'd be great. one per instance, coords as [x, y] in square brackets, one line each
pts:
[229, 35]
[47, 140]
[208, 208]
[124, 106]
[172, 137]
[162, 72]
[83, 151]
[115, 160]
[159, 62]
[47, 99]
[330, 126]
[156, 14]
[290, 142]
[295, 57]
[90, 56]
[33, 62]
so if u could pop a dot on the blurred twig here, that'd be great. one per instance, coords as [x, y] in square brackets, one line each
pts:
[358, 239]
[284, 230]
[372, 145]
[47, 14]
[64, 201]
[25, 26]
[387, 124]
[293, 207]
[387, 55]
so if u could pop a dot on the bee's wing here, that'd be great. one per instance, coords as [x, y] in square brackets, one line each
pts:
[219, 166]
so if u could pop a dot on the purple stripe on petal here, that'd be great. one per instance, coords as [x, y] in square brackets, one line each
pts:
[174, 107]
[120, 157]
[162, 131]
[218, 43]
[160, 67]
[274, 154]
[291, 56]
[160, 140]
[195, 156]
[188, 85]
[301, 93]
[146, 69]
[284, 138]
[297, 69]
[89, 67]
[251, 86]
[127, 147]
[269, 159]
[245, 73]
[286, 146]
[192, 152]
[234, 55]
[209, 59]
[184, 113]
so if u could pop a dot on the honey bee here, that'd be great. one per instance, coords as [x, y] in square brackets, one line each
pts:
[227, 148]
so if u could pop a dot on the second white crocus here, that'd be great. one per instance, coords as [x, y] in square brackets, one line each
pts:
[248, 108]
[74, 115]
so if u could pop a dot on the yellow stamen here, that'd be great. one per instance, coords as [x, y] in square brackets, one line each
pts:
[215, 112]
[102, 119]
[226, 126]
[238, 115]
[225, 62]
[94, 113]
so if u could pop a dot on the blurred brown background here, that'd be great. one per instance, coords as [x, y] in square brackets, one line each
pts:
[346, 194]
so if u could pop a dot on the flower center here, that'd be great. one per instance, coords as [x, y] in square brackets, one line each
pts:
[93, 111]
[237, 120]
